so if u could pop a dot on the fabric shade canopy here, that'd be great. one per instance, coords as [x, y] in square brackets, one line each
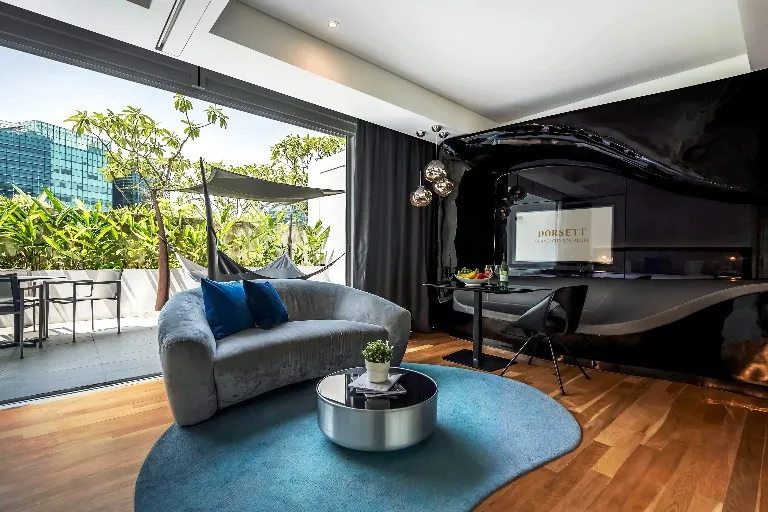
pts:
[229, 184]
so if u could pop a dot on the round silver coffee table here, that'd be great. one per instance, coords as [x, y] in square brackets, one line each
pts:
[376, 424]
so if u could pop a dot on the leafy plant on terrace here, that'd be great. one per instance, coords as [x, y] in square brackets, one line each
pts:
[43, 233]
[311, 246]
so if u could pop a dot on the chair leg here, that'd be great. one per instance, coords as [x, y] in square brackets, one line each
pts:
[562, 343]
[21, 327]
[557, 367]
[119, 294]
[18, 332]
[518, 353]
[74, 316]
[535, 346]
[93, 327]
[44, 310]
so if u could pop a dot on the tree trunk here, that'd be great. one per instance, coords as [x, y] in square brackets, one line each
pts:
[164, 278]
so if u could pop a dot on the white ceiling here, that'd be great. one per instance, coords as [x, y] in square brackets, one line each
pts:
[467, 65]
[506, 59]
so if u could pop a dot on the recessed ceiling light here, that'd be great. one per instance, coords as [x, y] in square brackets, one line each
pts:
[333, 23]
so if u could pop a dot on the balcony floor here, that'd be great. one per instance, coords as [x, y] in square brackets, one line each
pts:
[100, 355]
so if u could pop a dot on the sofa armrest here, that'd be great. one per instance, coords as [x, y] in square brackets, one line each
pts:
[360, 306]
[187, 352]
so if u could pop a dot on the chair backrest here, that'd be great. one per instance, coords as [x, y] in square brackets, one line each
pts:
[565, 303]
[571, 300]
[10, 291]
[106, 291]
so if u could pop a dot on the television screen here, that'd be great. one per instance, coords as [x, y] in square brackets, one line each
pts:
[577, 235]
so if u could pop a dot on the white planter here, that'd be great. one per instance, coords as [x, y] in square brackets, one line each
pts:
[377, 372]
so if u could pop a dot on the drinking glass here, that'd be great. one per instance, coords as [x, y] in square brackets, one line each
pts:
[489, 268]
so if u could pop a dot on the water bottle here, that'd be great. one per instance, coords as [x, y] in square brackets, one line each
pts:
[504, 275]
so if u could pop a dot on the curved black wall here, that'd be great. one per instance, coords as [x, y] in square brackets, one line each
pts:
[686, 172]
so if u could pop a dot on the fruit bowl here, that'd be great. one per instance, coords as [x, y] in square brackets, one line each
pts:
[473, 282]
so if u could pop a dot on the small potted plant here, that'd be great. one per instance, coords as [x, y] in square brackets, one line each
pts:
[378, 355]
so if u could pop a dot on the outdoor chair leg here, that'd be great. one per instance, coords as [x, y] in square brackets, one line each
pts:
[93, 328]
[18, 333]
[119, 295]
[41, 321]
[557, 367]
[44, 306]
[20, 327]
[518, 353]
[74, 315]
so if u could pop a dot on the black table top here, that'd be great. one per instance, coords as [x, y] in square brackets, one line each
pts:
[335, 388]
[25, 279]
[487, 288]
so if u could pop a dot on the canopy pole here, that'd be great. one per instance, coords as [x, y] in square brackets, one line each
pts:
[290, 232]
[213, 256]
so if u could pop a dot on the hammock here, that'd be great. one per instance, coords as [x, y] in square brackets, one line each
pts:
[229, 184]
[229, 270]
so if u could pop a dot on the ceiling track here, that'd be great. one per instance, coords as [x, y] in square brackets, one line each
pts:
[169, 23]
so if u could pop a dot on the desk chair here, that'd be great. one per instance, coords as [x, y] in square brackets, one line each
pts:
[558, 314]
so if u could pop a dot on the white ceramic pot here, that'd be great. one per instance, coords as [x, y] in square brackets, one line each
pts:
[377, 372]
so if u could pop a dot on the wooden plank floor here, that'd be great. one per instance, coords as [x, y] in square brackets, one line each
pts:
[647, 445]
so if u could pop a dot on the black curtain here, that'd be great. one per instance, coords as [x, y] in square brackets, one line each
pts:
[394, 244]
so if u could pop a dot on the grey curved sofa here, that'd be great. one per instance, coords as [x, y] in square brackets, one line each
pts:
[328, 328]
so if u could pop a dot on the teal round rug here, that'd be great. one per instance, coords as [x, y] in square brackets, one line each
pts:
[268, 453]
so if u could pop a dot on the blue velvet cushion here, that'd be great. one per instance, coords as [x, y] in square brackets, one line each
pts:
[225, 307]
[266, 306]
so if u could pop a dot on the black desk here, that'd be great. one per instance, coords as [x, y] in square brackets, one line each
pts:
[475, 357]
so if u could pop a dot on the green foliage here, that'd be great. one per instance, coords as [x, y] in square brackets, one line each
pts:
[312, 240]
[377, 351]
[133, 141]
[294, 153]
[290, 160]
[42, 233]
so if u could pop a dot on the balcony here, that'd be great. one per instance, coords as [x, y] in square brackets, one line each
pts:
[99, 355]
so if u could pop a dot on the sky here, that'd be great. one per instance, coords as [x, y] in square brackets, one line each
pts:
[36, 88]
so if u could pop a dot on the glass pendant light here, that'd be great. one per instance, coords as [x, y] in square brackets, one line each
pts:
[435, 170]
[420, 196]
[443, 188]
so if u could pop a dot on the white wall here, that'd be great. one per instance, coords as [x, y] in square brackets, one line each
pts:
[754, 23]
[331, 173]
[139, 290]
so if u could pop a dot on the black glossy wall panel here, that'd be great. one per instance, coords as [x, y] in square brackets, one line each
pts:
[686, 171]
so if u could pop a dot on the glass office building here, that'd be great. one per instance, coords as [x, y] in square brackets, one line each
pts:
[25, 160]
[128, 191]
[34, 154]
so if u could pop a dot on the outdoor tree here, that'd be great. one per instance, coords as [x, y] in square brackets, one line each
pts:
[290, 161]
[134, 142]
[294, 153]
[291, 157]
